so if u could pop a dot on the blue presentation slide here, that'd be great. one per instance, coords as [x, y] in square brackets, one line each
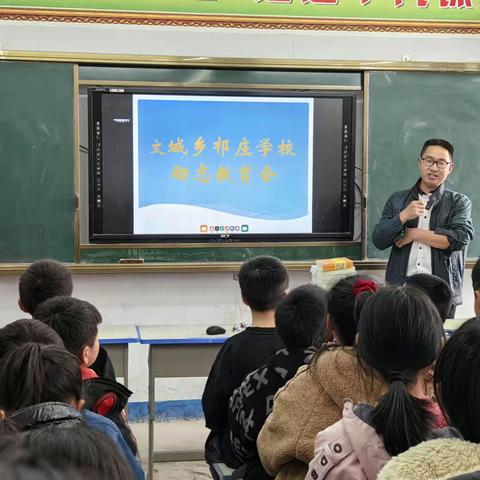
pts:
[213, 164]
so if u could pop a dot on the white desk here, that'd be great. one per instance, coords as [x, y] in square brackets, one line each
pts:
[115, 339]
[177, 351]
[451, 325]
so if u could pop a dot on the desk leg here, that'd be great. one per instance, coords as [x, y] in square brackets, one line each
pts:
[125, 365]
[151, 413]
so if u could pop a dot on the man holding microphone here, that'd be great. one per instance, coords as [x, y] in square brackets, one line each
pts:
[428, 226]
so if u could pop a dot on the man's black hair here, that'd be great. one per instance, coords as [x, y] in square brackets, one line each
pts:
[438, 142]
[300, 317]
[263, 282]
[476, 275]
[436, 288]
[76, 321]
[33, 374]
[43, 280]
[24, 331]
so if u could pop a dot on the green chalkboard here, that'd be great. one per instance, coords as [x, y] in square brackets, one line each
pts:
[405, 110]
[36, 162]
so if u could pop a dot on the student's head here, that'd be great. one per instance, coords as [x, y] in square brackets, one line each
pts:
[476, 286]
[457, 380]
[76, 321]
[300, 317]
[17, 463]
[437, 289]
[435, 162]
[345, 300]
[24, 331]
[88, 451]
[263, 283]
[33, 374]
[400, 335]
[43, 280]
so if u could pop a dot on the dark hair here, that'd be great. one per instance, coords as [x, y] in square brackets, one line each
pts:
[400, 333]
[263, 281]
[476, 275]
[34, 373]
[457, 380]
[24, 331]
[43, 280]
[17, 463]
[341, 301]
[300, 317]
[437, 289]
[76, 321]
[438, 142]
[89, 451]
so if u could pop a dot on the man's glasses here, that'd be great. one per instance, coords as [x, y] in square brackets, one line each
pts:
[430, 162]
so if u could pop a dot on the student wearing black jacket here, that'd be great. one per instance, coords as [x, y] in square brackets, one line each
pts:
[263, 283]
[300, 322]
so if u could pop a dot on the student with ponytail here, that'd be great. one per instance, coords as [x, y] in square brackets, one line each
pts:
[400, 335]
[453, 452]
[313, 399]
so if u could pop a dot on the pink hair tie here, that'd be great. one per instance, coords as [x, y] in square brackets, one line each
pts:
[361, 286]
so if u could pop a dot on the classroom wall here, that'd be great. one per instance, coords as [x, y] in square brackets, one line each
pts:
[214, 297]
[203, 42]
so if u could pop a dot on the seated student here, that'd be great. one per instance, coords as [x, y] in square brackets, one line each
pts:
[46, 279]
[313, 399]
[455, 452]
[476, 287]
[345, 301]
[437, 289]
[76, 321]
[300, 322]
[26, 330]
[20, 464]
[263, 283]
[88, 451]
[40, 387]
[402, 350]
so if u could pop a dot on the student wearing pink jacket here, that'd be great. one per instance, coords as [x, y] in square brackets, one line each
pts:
[400, 336]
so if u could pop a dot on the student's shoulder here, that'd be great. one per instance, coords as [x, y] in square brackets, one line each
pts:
[98, 422]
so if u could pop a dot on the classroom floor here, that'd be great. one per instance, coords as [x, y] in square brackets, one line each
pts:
[177, 435]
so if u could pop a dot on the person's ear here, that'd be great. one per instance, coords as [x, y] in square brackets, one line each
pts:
[84, 355]
[244, 300]
[451, 167]
[22, 308]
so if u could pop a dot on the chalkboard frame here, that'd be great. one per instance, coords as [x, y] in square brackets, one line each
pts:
[80, 59]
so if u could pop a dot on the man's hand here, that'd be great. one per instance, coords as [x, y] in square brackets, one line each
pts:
[409, 236]
[412, 211]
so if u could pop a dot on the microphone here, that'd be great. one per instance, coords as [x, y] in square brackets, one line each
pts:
[430, 203]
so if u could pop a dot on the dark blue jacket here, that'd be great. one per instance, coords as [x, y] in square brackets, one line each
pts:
[451, 215]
